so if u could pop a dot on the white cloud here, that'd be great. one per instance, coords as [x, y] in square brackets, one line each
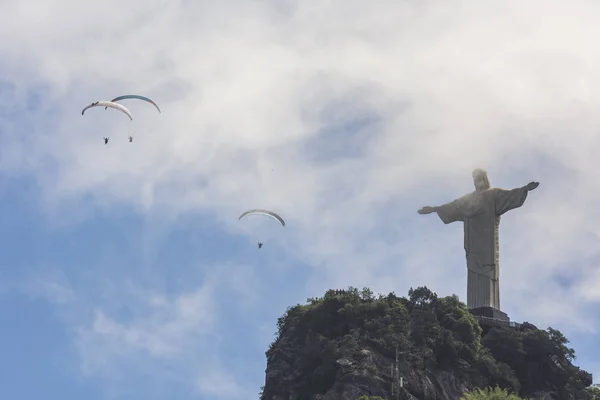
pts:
[217, 383]
[45, 283]
[129, 331]
[443, 88]
[590, 287]
[159, 328]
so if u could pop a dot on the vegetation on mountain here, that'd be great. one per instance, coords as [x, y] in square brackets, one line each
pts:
[440, 345]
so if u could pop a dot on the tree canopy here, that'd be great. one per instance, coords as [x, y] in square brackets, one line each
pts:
[432, 333]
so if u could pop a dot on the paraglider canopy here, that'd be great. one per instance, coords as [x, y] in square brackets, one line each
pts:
[267, 213]
[136, 96]
[110, 104]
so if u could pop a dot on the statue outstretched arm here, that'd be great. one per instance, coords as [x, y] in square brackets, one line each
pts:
[427, 210]
[448, 213]
[531, 186]
[507, 200]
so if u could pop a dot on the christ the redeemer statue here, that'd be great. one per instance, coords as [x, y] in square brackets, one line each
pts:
[480, 212]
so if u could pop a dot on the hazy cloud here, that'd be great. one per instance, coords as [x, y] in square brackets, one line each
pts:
[344, 116]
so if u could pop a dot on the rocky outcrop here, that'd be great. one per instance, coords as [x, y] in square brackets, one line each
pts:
[350, 344]
[367, 372]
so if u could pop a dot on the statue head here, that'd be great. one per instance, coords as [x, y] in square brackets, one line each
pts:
[480, 179]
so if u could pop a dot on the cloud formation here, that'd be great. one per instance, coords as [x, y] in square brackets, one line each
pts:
[343, 116]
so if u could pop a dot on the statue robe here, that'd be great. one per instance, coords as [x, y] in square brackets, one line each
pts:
[480, 212]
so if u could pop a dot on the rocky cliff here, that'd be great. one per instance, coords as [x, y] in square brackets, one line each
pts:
[350, 343]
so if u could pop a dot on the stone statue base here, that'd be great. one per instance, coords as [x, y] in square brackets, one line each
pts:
[490, 313]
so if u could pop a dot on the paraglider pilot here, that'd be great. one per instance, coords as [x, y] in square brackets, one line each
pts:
[260, 245]
[105, 140]
[130, 139]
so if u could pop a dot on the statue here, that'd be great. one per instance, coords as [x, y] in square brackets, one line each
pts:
[480, 212]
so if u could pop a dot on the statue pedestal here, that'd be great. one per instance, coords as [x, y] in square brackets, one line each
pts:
[489, 317]
[491, 313]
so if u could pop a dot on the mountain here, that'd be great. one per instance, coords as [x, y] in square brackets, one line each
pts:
[345, 344]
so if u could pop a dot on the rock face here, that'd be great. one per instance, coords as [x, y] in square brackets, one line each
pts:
[345, 345]
[367, 372]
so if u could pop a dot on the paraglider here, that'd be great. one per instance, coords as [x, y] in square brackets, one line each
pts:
[135, 96]
[267, 213]
[110, 104]
[264, 212]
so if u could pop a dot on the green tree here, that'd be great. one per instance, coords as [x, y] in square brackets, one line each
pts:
[592, 393]
[490, 394]
[431, 334]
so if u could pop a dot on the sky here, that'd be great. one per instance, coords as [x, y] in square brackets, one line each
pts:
[124, 270]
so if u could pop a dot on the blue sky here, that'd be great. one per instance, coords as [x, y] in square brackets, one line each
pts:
[125, 272]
